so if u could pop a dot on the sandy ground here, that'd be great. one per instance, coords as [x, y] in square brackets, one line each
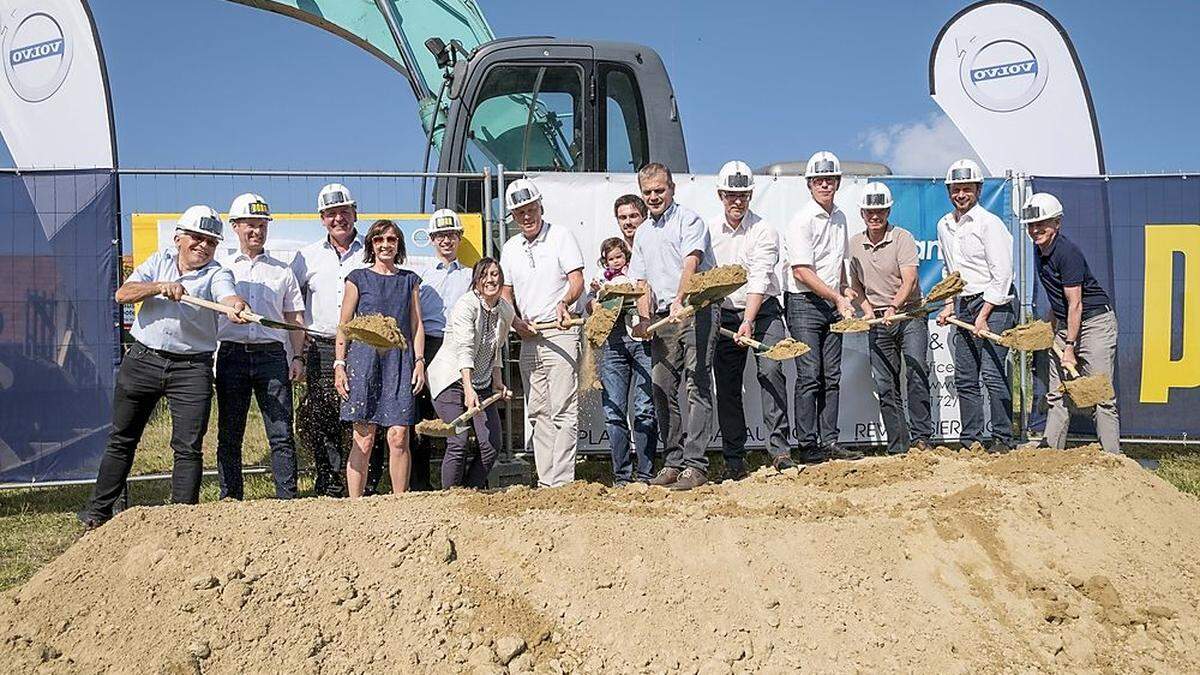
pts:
[933, 562]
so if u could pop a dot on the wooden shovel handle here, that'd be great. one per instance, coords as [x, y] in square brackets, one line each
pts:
[471, 412]
[902, 316]
[966, 326]
[758, 346]
[224, 309]
[547, 325]
[687, 311]
[1071, 369]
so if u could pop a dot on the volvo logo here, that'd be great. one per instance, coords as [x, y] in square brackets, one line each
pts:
[38, 54]
[1002, 75]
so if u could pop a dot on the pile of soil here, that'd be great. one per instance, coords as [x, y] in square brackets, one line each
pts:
[377, 330]
[930, 562]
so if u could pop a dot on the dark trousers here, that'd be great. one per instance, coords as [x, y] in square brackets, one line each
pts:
[819, 372]
[459, 469]
[145, 377]
[682, 353]
[261, 371]
[422, 446]
[320, 423]
[625, 370]
[728, 368]
[979, 359]
[896, 350]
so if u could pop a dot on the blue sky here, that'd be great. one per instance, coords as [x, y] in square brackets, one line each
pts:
[210, 83]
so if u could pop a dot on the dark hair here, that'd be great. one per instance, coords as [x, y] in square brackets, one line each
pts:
[655, 169]
[377, 228]
[608, 245]
[630, 200]
[481, 268]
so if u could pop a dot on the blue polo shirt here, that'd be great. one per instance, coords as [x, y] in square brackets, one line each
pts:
[174, 326]
[1064, 265]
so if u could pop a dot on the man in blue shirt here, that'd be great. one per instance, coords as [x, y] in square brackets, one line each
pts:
[671, 246]
[1085, 323]
[172, 356]
[442, 284]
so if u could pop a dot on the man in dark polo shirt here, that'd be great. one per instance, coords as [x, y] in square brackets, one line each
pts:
[883, 274]
[1085, 323]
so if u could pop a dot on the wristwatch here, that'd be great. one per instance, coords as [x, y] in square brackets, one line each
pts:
[1069, 343]
[339, 362]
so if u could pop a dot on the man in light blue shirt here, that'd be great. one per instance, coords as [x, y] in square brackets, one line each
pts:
[442, 284]
[172, 357]
[671, 246]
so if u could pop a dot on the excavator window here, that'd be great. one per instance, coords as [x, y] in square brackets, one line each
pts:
[623, 144]
[530, 118]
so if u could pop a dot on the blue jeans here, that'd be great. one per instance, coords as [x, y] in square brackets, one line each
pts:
[819, 372]
[262, 371]
[977, 359]
[907, 343]
[625, 367]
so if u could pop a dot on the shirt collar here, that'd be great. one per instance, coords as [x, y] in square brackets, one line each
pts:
[541, 236]
[748, 222]
[1053, 245]
[357, 241]
[172, 254]
[670, 210]
[450, 266]
[889, 235]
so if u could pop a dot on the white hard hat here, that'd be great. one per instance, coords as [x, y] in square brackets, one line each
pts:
[875, 196]
[1039, 207]
[823, 163]
[334, 194]
[203, 220]
[964, 171]
[735, 176]
[521, 192]
[444, 220]
[249, 205]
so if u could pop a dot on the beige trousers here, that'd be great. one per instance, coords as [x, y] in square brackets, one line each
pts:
[550, 373]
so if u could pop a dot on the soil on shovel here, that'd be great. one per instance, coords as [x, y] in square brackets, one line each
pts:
[377, 330]
[703, 284]
[1029, 337]
[946, 288]
[601, 322]
[853, 324]
[625, 290]
[1089, 390]
[936, 561]
[786, 349]
[435, 428]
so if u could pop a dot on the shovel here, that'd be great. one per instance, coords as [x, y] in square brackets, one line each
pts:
[547, 325]
[440, 429]
[601, 322]
[783, 350]
[1029, 337]
[703, 289]
[857, 325]
[251, 316]
[1085, 391]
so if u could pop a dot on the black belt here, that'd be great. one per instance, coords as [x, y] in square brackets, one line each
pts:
[176, 356]
[252, 346]
[1095, 312]
[969, 298]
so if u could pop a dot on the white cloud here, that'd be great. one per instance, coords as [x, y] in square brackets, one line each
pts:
[922, 148]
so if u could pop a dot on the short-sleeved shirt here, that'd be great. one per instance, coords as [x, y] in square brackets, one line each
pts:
[876, 267]
[1064, 265]
[321, 272]
[817, 239]
[270, 288]
[755, 246]
[659, 247]
[442, 284]
[537, 270]
[979, 247]
[175, 326]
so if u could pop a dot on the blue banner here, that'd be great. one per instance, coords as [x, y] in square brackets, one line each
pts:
[59, 342]
[1141, 238]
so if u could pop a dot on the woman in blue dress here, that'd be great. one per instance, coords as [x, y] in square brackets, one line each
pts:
[379, 387]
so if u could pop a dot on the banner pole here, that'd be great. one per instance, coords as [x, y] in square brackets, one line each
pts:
[1018, 198]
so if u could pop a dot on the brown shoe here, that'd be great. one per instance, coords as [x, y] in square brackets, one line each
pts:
[690, 478]
[666, 477]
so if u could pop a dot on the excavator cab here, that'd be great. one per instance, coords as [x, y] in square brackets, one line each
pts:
[546, 104]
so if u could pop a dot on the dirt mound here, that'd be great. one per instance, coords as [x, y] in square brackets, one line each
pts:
[934, 562]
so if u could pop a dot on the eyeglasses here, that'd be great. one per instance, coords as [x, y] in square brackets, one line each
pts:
[385, 239]
[822, 180]
[735, 196]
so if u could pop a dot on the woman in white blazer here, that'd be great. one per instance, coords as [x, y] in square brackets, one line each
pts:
[466, 370]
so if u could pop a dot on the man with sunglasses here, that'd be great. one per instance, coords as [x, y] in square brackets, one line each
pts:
[543, 280]
[977, 245]
[171, 357]
[443, 282]
[741, 237]
[321, 269]
[817, 297]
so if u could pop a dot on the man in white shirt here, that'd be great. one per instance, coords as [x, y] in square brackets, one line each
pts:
[817, 297]
[443, 282]
[741, 237]
[671, 246]
[977, 245]
[543, 278]
[252, 359]
[321, 269]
